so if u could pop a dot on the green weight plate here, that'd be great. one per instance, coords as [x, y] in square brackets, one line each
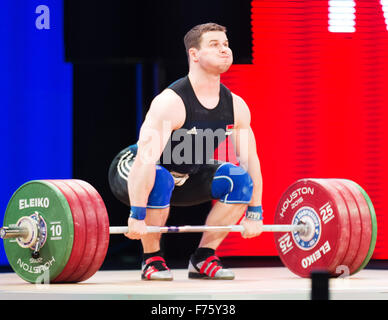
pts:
[374, 227]
[39, 196]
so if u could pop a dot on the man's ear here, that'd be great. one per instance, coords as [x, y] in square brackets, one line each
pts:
[193, 53]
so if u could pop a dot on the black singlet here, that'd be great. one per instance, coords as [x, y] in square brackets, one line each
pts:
[193, 145]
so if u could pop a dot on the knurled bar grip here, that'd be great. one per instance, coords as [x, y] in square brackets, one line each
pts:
[231, 228]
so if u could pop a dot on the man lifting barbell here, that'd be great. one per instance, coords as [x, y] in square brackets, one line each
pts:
[59, 229]
[172, 163]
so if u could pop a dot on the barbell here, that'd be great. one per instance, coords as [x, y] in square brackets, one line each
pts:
[60, 228]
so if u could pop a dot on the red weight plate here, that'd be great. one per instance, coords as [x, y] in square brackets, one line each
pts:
[91, 230]
[344, 234]
[354, 225]
[317, 204]
[102, 227]
[79, 231]
[366, 226]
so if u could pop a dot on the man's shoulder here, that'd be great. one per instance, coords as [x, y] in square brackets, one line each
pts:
[167, 105]
[168, 97]
[238, 101]
[241, 111]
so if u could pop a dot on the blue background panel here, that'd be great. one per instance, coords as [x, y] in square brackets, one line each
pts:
[35, 99]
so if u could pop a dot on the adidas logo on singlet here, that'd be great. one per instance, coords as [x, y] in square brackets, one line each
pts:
[193, 130]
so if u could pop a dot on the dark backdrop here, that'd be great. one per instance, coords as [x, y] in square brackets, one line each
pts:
[107, 43]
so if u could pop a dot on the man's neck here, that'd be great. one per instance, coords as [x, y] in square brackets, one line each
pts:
[205, 83]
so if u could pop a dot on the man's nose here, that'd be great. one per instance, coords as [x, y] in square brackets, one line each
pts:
[224, 49]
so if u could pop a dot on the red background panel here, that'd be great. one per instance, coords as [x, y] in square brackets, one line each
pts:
[319, 105]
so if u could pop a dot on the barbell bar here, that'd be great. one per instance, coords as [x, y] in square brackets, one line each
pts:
[17, 232]
[301, 228]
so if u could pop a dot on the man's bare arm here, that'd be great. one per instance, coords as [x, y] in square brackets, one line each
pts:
[246, 152]
[166, 114]
[245, 147]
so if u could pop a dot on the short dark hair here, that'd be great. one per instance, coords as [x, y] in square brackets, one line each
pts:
[192, 38]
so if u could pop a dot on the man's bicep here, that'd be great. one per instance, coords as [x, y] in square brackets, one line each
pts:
[244, 143]
[152, 139]
[157, 127]
[243, 137]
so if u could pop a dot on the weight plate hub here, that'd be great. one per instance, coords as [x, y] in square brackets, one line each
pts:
[38, 199]
[316, 203]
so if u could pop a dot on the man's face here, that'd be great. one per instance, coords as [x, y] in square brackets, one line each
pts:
[214, 54]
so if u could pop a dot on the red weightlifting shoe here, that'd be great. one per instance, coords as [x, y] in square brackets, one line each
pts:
[155, 268]
[210, 268]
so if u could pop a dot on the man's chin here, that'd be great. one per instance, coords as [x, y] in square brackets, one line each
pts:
[225, 68]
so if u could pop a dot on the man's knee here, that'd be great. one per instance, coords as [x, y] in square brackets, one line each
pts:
[232, 184]
[160, 194]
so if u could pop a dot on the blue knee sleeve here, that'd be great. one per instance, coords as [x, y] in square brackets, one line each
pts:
[160, 194]
[232, 184]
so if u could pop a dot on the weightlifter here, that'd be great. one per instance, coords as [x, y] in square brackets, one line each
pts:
[172, 162]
